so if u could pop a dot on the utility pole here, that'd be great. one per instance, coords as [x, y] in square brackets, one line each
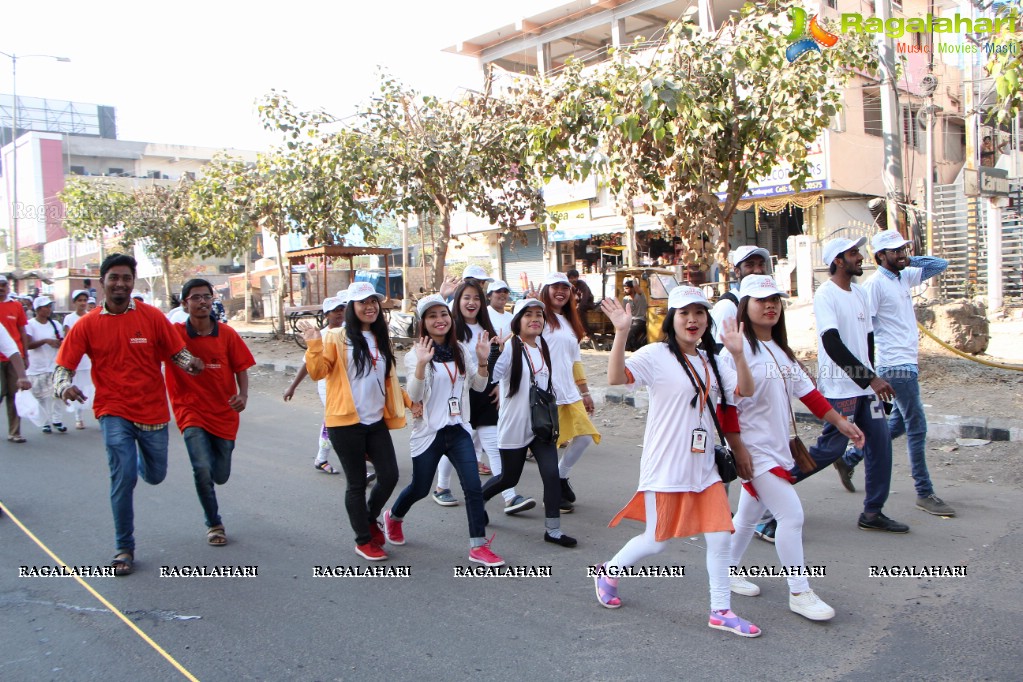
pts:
[891, 124]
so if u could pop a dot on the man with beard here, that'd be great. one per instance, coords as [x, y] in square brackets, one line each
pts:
[845, 344]
[127, 341]
[897, 344]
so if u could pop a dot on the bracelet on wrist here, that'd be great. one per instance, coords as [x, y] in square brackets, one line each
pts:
[585, 394]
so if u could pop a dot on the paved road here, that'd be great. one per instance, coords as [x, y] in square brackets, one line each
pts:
[286, 624]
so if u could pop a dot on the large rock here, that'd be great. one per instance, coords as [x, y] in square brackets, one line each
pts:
[962, 325]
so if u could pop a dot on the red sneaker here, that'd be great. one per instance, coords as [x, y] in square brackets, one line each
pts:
[392, 529]
[376, 536]
[484, 555]
[371, 552]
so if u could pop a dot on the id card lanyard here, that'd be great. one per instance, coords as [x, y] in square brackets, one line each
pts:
[698, 443]
[454, 403]
[529, 359]
[375, 358]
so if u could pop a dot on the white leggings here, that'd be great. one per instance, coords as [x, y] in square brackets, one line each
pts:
[485, 436]
[323, 445]
[778, 496]
[573, 452]
[645, 545]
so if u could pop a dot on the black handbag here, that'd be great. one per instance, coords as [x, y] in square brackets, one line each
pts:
[543, 408]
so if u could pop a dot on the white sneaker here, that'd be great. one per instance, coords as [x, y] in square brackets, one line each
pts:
[809, 605]
[742, 586]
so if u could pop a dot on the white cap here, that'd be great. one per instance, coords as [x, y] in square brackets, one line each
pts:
[497, 285]
[681, 296]
[476, 272]
[887, 239]
[40, 301]
[427, 302]
[555, 278]
[3, 279]
[833, 248]
[360, 291]
[92, 299]
[744, 252]
[526, 303]
[138, 296]
[760, 286]
[78, 292]
[332, 303]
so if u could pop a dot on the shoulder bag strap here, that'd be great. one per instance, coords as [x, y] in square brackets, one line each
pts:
[788, 396]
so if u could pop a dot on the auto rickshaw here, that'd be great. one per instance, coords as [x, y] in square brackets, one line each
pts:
[655, 283]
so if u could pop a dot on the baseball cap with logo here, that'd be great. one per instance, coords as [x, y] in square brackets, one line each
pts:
[887, 239]
[476, 272]
[555, 278]
[427, 302]
[497, 285]
[681, 296]
[744, 252]
[40, 301]
[834, 248]
[760, 286]
[360, 291]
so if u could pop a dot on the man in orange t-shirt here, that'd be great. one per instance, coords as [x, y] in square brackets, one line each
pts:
[206, 407]
[14, 320]
[127, 341]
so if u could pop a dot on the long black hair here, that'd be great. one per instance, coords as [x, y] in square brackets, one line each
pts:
[450, 340]
[569, 310]
[779, 334]
[461, 327]
[705, 344]
[517, 346]
[360, 349]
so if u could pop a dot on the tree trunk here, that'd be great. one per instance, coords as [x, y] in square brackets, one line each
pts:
[281, 270]
[165, 262]
[440, 248]
[248, 284]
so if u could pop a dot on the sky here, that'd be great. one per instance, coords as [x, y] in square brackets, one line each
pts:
[189, 72]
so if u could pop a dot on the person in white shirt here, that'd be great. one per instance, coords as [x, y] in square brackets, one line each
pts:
[44, 337]
[518, 364]
[680, 493]
[745, 260]
[83, 377]
[498, 292]
[440, 372]
[563, 333]
[764, 419]
[896, 343]
[845, 376]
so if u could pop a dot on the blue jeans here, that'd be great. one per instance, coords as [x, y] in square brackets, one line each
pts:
[211, 463]
[455, 442]
[866, 413]
[907, 418]
[131, 452]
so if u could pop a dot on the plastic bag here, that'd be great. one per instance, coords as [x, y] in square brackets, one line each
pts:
[28, 408]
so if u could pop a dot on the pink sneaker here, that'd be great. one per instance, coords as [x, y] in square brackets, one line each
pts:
[726, 620]
[376, 536]
[484, 555]
[392, 529]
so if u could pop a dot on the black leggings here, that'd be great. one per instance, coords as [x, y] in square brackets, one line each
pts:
[512, 462]
[352, 445]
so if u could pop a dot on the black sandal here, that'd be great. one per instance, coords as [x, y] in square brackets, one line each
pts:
[123, 563]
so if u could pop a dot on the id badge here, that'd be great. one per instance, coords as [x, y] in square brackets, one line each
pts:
[699, 445]
[454, 408]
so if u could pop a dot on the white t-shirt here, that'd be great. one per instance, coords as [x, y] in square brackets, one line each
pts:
[668, 463]
[439, 389]
[896, 340]
[69, 321]
[8, 346]
[722, 310]
[500, 321]
[368, 390]
[514, 423]
[565, 352]
[42, 360]
[764, 417]
[849, 313]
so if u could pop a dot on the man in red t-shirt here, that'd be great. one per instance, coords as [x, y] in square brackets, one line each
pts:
[13, 319]
[206, 407]
[127, 341]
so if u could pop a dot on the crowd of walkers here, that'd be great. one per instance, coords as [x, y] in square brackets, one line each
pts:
[482, 382]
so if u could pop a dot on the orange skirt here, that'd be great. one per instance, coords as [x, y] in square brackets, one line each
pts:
[682, 515]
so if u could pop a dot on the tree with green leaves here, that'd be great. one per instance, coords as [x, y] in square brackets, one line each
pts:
[159, 221]
[92, 208]
[1004, 64]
